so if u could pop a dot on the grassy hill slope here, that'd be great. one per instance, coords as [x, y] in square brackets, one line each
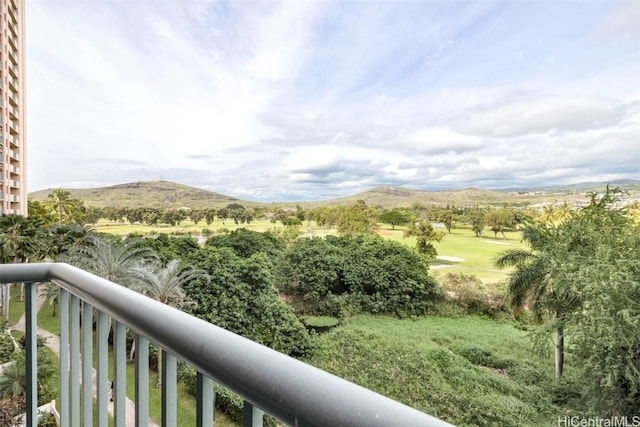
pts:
[166, 194]
[156, 194]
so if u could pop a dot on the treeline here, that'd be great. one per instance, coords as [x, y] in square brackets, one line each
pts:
[247, 282]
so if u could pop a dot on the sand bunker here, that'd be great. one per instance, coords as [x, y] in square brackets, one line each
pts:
[450, 258]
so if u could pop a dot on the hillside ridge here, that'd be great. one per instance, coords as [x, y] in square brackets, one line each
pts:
[168, 194]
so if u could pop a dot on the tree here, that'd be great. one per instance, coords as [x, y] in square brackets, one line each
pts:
[499, 221]
[531, 284]
[40, 210]
[477, 222]
[64, 237]
[111, 258]
[165, 284]
[340, 274]
[173, 217]
[582, 272]
[447, 219]
[358, 218]
[51, 296]
[241, 297]
[65, 208]
[247, 242]
[425, 237]
[394, 217]
[12, 381]
[196, 215]
[598, 261]
[209, 215]
[22, 239]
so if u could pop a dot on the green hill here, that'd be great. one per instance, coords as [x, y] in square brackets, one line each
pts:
[166, 194]
[156, 194]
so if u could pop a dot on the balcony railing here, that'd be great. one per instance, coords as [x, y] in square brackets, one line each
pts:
[291, 391]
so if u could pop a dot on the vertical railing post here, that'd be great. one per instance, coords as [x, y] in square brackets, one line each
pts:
[119, 390]
[142, 381]
[64, 357]
[31, 331]
[102, 349]
[251, 415]
[74, 360]
[169, 395]
[205, 401]
[87, 364]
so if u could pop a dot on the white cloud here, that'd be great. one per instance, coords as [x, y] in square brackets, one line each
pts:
[294, 100]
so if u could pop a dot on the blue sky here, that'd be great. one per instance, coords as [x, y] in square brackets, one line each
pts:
[309, 100]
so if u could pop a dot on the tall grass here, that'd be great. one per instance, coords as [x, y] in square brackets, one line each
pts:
[469, 371]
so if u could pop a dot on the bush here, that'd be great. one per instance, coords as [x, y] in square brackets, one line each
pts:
[474, 296]
[320, 323]
[241, 298]
[227, 401]
[339, 275]
[246, 243]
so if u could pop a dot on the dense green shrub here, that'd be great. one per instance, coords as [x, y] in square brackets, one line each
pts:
[171, 247]
[246, 242]
[364, 273]
[7, 348]
[311, 268]
[474, 296]
[435, 380]
[241, 298]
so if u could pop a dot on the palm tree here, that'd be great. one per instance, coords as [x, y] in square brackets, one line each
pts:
[64, 208]
[12, 381]
[110, 258]
[66, 237]
[531, 286]
[165, 284]
[22, 239]
[51, 296]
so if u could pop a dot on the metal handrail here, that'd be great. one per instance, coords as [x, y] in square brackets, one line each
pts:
[288, 389]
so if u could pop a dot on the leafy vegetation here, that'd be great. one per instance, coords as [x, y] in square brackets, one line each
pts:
[339, 275]
[468, 371]
[576, 273]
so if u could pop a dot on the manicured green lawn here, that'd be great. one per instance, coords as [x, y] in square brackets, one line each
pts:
[477, 254]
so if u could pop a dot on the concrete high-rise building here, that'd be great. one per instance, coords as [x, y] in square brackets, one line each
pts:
[13, 171]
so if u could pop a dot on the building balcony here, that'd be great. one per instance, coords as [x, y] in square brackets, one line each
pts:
[1, 196]
[269, 382]
[13, 14]
[12, 42]
[13, 70]
[14, 198]
[13, 56]
[13, 169]
[13, 99]
[14, 184]
[13, 112]
[14, 128]
[12, 25]
[13, 84]
[13, 155]
[13, 141]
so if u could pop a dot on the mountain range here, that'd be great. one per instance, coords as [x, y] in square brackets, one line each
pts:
[167, 194]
